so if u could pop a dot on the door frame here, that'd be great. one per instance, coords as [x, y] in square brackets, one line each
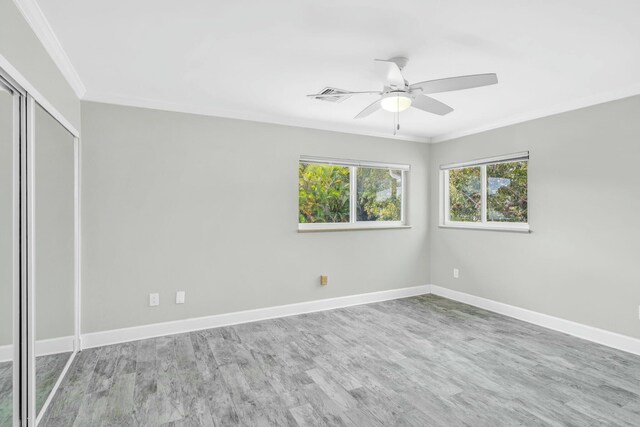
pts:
[24, 402]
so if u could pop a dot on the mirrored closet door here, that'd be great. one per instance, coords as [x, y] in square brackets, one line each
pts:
[9, 262]
[39, 254]
[53, 240]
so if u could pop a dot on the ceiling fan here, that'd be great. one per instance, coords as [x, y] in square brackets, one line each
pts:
[397, 94]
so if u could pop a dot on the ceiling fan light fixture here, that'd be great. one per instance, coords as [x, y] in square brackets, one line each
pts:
[396, 102]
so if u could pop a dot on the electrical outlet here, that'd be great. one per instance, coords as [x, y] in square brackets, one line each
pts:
[154, 299]
[180, 297]
[324, 280]
[456, 273]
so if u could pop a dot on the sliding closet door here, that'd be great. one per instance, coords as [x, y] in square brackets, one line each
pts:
[9, 261]
[53, 278]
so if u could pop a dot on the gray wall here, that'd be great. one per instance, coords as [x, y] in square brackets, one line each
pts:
[20, 46]
[584, 199]
[207, 205]
[54, 228]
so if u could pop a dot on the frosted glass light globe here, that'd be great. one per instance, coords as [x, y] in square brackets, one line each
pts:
[395, 102]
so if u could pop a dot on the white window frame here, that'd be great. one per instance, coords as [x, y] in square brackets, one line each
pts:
[353, 223]
[445, 218]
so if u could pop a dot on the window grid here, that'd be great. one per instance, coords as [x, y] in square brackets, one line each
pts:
[445, 200]
[353, 196]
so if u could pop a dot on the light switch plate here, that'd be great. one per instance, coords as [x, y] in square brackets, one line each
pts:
[180, 296]
[456, 273]
[154, 299]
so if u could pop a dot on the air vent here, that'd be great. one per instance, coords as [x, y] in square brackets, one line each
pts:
[340, 95]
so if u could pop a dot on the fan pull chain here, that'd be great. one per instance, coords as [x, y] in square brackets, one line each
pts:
[396, 124]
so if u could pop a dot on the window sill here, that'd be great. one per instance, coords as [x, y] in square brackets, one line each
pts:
[314, 228]
[514, 228]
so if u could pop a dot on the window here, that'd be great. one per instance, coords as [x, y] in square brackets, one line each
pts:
[487, 194]
[346, 194]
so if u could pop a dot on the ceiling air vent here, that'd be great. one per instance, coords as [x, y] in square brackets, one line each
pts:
[340, 95]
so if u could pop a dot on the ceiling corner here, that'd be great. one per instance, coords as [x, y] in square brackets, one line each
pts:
[40, 26]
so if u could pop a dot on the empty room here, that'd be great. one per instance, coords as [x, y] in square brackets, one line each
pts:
[319, 213]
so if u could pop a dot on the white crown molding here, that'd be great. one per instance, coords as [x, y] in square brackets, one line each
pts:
[37, 96]
[585, 102]
[600, 336]
[254, 117]
[98, 339]
[319, 125]
[40, 26]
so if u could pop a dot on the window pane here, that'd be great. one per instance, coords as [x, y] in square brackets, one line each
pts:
[323, 193]
[507, 192]
[465, 199]
[379, 194]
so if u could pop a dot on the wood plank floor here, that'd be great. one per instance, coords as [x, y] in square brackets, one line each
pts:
[418, 361]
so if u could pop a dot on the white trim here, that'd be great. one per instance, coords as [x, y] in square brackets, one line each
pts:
[41, 27]
[353, 203]
[350, 226]
[354, 163]
[54, 346]
[36, 95]
[97, 339]
[564, 107]
[53, 391]
[314, 124]
[7, 353]
[600, 336]
[590, 333]
[353, 223]
[30, 403]
[253, 117]
[518, 227]
[505, 158]
[444, 205]
[77, 243]
[43, 348]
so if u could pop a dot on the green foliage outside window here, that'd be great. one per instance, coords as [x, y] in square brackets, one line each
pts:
[507, 192]
[465, 199]
[323, 193]
[379, 195]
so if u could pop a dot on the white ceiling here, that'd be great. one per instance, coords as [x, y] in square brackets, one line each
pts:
[258, 59]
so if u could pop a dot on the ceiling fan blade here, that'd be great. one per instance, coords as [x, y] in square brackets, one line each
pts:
[430, 105]
[389, 72]
[456, 83]
[372, 108]
[322, 95]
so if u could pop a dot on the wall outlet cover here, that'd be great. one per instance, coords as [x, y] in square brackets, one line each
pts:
[324, 280]
[180, 296]
[154, 299]
[456, 273]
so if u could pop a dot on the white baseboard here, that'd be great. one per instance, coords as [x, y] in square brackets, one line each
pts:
[43, 348]
[54, 346]
[98, 339]
[6, 353]
[600, 336]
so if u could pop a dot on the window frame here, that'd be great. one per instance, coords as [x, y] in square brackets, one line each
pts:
[353, 223]
[484, 224]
